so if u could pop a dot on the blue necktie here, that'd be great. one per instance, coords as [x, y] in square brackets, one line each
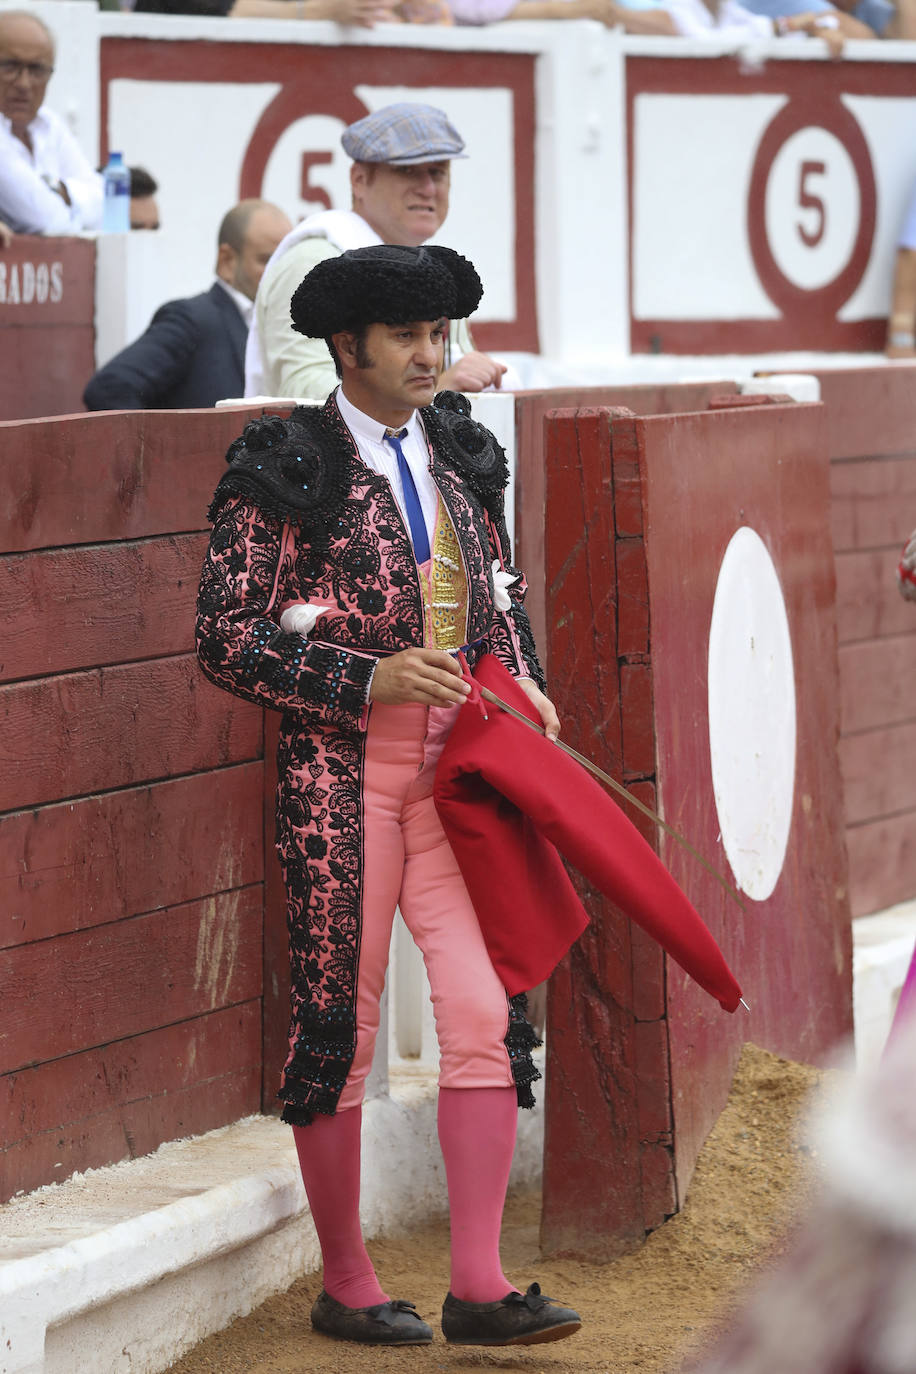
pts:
[415, 519]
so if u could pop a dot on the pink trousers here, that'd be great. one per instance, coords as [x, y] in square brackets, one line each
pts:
[408, 862]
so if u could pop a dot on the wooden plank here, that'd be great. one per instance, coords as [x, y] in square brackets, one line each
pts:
[124, 1099]
[872, 501]
[130, 976]
[869, 606]
[876, 683]
[592, 1138]
[90, 606]
[879, 778]
[87, 732]
[45, 369]
[531, 407]
[869, 409]
[82, 864]
[160, 469]
[882, 863]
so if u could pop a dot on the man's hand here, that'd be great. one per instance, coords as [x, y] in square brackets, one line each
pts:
[430, 677]
[545, 707]
[472, 372]
[6, 235]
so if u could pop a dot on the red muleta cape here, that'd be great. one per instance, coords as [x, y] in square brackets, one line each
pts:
[509, 799]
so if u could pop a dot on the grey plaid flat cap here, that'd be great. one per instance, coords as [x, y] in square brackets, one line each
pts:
[403, 135]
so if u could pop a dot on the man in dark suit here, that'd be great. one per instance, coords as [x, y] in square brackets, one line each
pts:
[193, 352]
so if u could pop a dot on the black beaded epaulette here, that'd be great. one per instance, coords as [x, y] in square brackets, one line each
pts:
[468, 447]
[300, 468]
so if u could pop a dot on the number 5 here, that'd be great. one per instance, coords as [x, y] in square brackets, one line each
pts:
[308, 191]
[807, 201]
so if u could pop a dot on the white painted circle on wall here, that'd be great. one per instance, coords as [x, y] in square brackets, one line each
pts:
[751, 695]
[812, 208]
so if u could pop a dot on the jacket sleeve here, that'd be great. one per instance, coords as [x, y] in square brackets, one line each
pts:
[141, 374]
[510, 638]
[240, 645]
[292, 364]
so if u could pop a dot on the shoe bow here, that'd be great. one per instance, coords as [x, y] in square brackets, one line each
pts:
[386, 1312]
[533, 1298]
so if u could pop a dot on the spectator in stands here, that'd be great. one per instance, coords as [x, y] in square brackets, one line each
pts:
[400, 190]
[144, 211]
[901, 331]
[688, 18]
[193, 352]
[851, 18]
[364, 14]
[641, 16]
[46, 184]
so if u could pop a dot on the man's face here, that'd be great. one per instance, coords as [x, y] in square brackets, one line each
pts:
[245, 269]
[402, 204]
[394, 368]
[26, 64]
[144, 212]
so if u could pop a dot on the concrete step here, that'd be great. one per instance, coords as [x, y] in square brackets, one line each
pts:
[126, 1268]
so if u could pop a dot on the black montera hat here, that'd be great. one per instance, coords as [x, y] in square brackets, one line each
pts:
[384, 284]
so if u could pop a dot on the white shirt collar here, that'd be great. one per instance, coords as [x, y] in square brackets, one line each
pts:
[362, 426]
[242, 303]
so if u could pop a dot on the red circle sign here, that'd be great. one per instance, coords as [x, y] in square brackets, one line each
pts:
[792, 299]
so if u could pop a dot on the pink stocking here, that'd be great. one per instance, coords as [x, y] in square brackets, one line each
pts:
[477, 1135]
[329, 1153]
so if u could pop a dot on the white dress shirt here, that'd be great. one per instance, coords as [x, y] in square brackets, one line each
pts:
[381, 458]
[244, 304]
[27, 202]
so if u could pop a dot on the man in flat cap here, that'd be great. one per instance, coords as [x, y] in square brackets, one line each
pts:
[356, 549]
[399, 183]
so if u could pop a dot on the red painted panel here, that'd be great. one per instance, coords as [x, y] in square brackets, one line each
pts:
[876, 683]
[47, 315]
[809, 317]
[124, 1099]
[530, 461]
[87, 732]
[84, 479]
[882, 863]
[130, 976]
[703, 476]
[90, 606]
[869, 606]
[84, 863]
[869, 409]
[873, 500]
[878, 772]
[596, 1110]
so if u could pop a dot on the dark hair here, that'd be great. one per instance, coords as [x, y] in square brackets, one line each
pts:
[362, 355]
[142, 183]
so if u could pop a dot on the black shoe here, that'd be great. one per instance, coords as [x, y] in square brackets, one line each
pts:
[387, 1323]
[518, 1319]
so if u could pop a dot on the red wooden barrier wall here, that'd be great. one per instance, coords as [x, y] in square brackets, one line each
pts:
[640, 1060]
[131, 834]
[872, 438]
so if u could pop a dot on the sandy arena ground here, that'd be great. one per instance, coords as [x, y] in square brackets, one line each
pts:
[642, 1314]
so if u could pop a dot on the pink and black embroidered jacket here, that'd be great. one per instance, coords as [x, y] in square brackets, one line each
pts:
[298, 517]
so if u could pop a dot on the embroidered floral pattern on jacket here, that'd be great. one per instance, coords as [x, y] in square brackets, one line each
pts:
[337, 540]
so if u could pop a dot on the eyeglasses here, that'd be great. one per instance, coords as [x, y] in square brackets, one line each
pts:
[11, 70]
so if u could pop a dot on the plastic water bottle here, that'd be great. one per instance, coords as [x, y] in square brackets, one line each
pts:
[116, 212]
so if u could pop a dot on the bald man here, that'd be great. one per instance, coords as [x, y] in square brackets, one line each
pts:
[193, 353]
[46, 184]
